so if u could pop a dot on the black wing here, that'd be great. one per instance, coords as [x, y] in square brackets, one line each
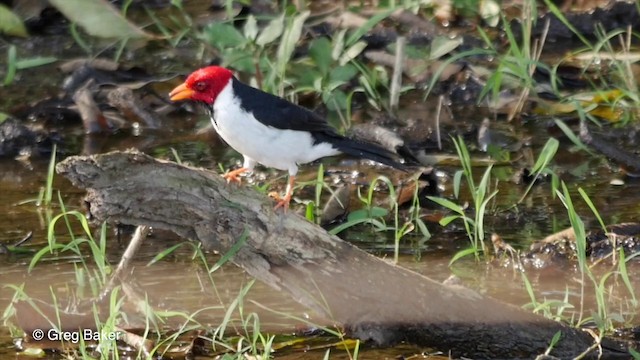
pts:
[277, 112]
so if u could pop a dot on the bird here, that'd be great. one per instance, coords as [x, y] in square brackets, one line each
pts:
[270, 130]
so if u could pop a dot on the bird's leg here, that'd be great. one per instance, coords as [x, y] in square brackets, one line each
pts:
[247, 166]
[284, 202]
[235, 175]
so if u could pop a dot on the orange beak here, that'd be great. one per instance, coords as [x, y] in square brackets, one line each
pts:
[181, 92]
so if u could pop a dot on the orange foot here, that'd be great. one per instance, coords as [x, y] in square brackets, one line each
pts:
[284, 202]
[235, 175]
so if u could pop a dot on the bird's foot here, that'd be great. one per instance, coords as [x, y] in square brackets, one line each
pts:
[235, 175]
[282, 202]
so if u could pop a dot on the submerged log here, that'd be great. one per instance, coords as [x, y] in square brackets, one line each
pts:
[371, 298]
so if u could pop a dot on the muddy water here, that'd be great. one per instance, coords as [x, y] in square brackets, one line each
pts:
[180, 283]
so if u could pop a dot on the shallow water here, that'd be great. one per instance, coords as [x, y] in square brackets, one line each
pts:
[180, 283]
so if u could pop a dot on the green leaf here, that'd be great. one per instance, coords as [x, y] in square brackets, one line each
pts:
[357, 215]
[11, 65]
[335, 100]
[271, 32]
[343, 74]
[443, 45]
[34, 62]
[338, 44]
[320, 53]
[310, 213]
[41, 253]
[412, 51]
[546, 155]
[457, 182]
[3, 117]
[10, 23]
[447, 204]
[622, 269]
[307, 77]
[290, 39]
[353, 51]
[251, 28]
[377, 211]
[374, 212]
[223, 36]
[376, 223]
[462, 253]
[232, 251]
[569, 133]
[373, 21]
[240, 59]
[423, 228]
[98, 18]
[161, 255]
[448, 219]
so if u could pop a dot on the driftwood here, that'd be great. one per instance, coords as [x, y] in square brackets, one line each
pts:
[371, 298]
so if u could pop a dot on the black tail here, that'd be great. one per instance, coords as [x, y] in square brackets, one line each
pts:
[362, 149]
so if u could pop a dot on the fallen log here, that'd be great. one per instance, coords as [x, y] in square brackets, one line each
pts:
[371, 298]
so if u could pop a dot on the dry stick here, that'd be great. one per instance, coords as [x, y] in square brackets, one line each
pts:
[596, 345]
[396, 79]
[136, 240]
[258, 75]
[131, 106]
[626, 48]
[608, 149]
[92, 116]
[137, 342]
[537, 52]
[24, 239]
[440, 101]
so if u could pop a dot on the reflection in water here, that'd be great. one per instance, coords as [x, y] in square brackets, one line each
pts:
[177, 286]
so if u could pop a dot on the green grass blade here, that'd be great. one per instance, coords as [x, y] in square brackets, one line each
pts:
[373, 21]
[447, 204]
[340, 228]
[232, 251]
[42, 252]
[569, 133]
[34, 62]
[546, 155]
[595, 211]
[164, 253]
[622, 268]
[48, 195]
[11, 65]
[462, 253]
[558, 13]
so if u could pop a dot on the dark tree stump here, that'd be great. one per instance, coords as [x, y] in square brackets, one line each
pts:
[371, 298]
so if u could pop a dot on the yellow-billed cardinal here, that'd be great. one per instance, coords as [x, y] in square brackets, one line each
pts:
[269, 130]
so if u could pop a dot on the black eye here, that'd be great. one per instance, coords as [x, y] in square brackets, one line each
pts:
[201, 86]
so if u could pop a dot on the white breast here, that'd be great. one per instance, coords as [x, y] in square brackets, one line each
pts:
[269, 146]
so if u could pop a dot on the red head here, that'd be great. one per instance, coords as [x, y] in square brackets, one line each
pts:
[202, 85]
